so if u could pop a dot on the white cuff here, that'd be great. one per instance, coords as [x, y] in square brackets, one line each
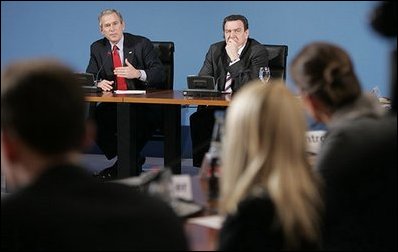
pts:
[143, 75]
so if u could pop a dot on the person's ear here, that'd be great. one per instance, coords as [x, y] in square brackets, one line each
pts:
[317, 108]
[11, 161]
[310, 104]
[9, 149]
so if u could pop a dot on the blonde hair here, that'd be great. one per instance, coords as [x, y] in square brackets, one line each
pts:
[264, 146]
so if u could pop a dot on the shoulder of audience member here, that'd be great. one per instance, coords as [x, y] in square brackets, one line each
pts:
[139, 199]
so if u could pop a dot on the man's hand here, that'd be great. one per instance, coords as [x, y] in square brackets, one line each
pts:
[128, 72]
[105, 85]
[232, 49]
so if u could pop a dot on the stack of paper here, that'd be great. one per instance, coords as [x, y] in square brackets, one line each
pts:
[130, 91]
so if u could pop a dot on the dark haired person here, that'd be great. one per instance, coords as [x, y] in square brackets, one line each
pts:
[232, 62]
[54, 204]
[357, 160]
[123, 61]
[384, 21]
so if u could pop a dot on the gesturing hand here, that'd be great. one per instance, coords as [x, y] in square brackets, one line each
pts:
[128, 72]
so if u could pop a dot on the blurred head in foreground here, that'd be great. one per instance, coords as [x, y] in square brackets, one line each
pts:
[42, 118]
[264, 151]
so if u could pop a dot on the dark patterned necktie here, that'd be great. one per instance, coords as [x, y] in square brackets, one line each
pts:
[228, 83]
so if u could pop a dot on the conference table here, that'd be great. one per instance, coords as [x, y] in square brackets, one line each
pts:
[202, 237]
[171, 101]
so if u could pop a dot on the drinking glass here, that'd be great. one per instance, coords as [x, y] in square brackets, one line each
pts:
[264, 74]
[376, 92]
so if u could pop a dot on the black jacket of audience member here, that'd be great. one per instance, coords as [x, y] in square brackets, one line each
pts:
[66, 209]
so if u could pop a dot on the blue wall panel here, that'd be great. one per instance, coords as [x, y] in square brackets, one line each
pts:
[65, 30]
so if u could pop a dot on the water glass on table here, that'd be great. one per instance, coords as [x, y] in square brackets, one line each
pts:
[264, 74]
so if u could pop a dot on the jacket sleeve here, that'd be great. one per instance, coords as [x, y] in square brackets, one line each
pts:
[247, 69]
[93, 63]
[207, 68]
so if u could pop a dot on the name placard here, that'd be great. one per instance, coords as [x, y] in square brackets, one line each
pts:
[315, 139]
[182, 187]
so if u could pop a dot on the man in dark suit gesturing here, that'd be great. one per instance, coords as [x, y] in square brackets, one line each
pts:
[232, 63]
[123, 61]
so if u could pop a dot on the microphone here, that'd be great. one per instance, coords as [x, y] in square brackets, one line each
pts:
[216, 86]
[99, 70]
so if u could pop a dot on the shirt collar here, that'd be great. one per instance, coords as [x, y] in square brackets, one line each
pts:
[119, 44]
[241, 49]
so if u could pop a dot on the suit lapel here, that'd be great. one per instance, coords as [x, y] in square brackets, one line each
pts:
[128, 53]
[107, 60]
[244, 51]
[128, 50]
[224, 65]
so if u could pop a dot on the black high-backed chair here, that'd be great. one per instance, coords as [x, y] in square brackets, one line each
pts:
[277, 60]
[165, 50]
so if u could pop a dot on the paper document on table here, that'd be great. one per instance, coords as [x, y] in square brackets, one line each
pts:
[130, 91]
[212, 221]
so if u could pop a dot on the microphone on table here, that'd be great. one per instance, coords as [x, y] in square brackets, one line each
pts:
[99, 70]
[217, 83]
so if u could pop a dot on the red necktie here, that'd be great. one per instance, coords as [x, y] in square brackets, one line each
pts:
[120, 81]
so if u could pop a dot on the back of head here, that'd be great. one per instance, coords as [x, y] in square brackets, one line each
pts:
[384, 19]
[42, 104]
[264, 124]
[263, 118]
[384, 22]
[264, 147]
[326, 71]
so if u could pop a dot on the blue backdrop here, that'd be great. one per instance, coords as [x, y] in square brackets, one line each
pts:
[66, 29]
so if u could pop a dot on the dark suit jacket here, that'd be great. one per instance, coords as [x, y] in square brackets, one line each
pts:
[140, 53]
[66, 209]
[358, 163]
[255, 227]
[216, 64]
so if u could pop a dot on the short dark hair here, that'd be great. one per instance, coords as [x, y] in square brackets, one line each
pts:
[234, 18]
[384, 19]
[42, 103]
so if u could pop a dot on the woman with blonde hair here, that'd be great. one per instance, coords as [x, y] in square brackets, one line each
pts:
[268, 191]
